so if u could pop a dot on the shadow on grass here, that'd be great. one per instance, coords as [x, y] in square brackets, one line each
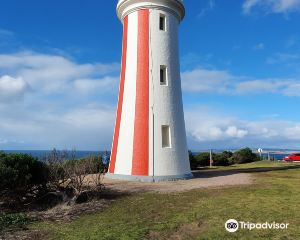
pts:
[218, 173]
[45, 202]
[112, 194]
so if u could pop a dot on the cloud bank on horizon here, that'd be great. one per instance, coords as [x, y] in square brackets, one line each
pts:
[65, 99]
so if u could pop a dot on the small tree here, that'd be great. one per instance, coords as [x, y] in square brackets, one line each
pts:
[76, 172]
[203, 159]
[223, 159]
[96, 170]
[227, 154]
[84, 174]
[55, 161]
[245, 155]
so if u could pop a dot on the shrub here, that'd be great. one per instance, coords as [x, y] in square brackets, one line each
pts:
[245, 155]
[193, 161]
[10, 221]
[20, 173]
[227, 154]
[78, 170]
[55, 162]
[203, 159]
[220, 160]
[25, 180]
[223, 159]
[67, 171]
[76, 176]
[94, 163]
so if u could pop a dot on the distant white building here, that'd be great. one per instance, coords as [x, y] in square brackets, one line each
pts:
[149, 141]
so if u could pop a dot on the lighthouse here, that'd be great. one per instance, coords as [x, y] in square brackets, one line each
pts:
[149, 141]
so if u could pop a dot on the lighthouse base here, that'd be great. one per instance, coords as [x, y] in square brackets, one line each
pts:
[148, 178]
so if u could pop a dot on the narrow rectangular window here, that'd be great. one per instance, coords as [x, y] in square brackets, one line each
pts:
[163, 75]
[166, 136]
[162, 22]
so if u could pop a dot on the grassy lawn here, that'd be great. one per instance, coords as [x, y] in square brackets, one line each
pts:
[260, 164]
[196, 214]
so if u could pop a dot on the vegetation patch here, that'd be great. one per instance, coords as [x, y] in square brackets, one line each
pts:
[26, 182]
[225, 158]
[13, 221]
[196, 214]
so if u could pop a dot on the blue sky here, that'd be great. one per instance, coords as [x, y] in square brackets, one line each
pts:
[59, 73]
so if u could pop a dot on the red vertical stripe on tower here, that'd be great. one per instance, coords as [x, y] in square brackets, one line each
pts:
[120, 101]
[140, 161]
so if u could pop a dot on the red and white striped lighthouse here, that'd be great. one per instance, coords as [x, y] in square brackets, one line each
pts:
[149, 142]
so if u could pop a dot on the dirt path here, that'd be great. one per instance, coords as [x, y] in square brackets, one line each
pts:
[205, 180]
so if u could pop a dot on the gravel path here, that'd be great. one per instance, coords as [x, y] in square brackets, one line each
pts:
[201, 180]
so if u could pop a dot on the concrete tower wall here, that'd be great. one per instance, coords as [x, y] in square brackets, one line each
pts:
[125, 145]
[145, 105]
[166, 100]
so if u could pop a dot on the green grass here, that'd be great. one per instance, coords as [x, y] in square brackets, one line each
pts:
[196, 214]
[13, 221]
[260, 164]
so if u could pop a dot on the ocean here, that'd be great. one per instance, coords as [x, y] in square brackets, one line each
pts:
[40, 154]
[274, 156]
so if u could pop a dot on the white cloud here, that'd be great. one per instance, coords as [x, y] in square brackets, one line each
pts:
[204, 80]
[263, 86]
[51, 73]
[234, 132]
[203, 126]
[208, 129]
[52, 101]
[87, 127]
[271, 6]
[92, 85]
[292, 90]
[66, 104]
[201, 80]
[248, 5]
[12, 88]
[209, 7]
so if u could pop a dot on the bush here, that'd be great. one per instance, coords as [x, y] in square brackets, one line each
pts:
[220, 160]
[65, 169]
[227, 154]
[78, 170]
[203, 159]
[25, 180]
[94, 163]
[10, 221]
[193, 161]
[245, 156]
[19, 173]
[76, 176]
[223, 159]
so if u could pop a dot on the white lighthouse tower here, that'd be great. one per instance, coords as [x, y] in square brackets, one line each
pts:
[149, 142]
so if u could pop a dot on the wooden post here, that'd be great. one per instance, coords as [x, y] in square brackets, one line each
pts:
[210, 159]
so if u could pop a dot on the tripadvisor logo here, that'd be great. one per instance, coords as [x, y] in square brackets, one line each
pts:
[233, 225]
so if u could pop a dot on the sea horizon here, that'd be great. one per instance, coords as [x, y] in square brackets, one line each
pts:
[276, 153]
[41, 154]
